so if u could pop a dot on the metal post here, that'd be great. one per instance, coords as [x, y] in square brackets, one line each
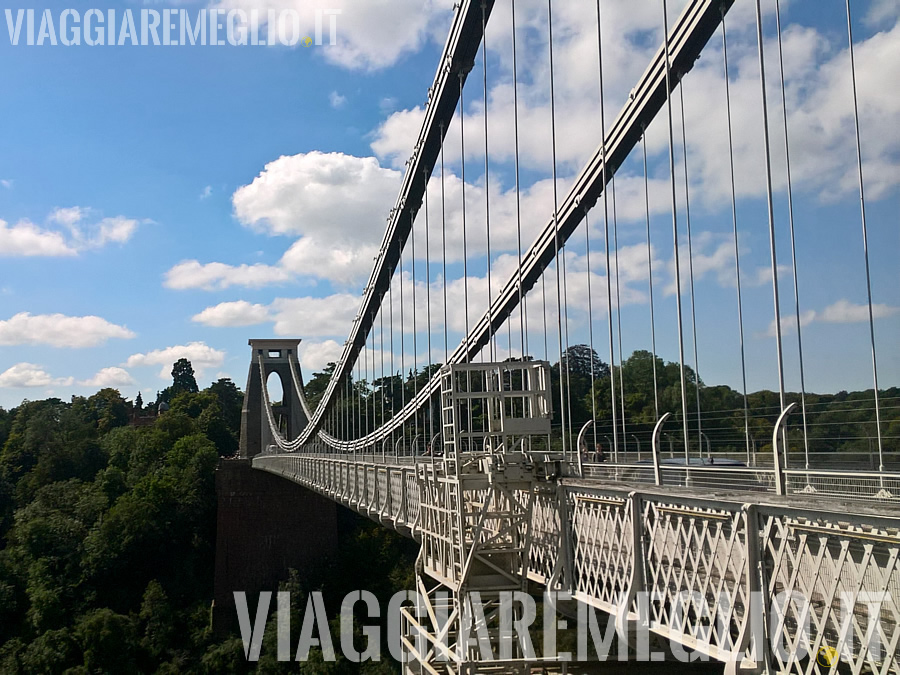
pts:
[657, 472]
[776, 455]
[638, 441]
[708, 450]
[579, 446]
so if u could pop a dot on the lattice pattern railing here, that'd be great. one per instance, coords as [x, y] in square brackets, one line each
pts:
[545, 537]
[699, 560]
[602, 548]
[697, 569]
[852, 577]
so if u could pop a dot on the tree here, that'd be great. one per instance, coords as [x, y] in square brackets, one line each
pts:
[183, 378]
[231, 399]
[318, 383]
[580, 358]
[139, 402]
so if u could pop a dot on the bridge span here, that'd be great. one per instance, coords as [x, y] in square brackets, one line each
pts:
[769, 558]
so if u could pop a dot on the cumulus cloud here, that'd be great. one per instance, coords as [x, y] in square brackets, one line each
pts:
[59, 330]
[84, 235]
[335, 204]
[331, 315]
[240, 313]
[72, 236]
[24, 375]
[27, 239]
[201, 356]
[369, 35]
[316, 355]
[820, 111]
[842, 311]
[296, 195]
[307, 317]
[206, 193]
[113, 376]
[218, 276]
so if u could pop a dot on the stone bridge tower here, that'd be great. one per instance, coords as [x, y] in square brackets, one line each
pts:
[277, 356]
[266, 525]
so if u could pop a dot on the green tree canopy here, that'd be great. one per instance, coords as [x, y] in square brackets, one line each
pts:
[183, 378]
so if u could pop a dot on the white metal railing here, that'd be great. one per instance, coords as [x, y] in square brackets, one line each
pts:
[869, 486]
[701, 555]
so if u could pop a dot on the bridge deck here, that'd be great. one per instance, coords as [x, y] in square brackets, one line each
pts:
[699, 557]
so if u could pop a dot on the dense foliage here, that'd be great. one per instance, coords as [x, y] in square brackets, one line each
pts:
[107, 537]
[646, 387]
[108, 530]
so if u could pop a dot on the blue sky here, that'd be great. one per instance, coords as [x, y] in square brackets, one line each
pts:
[159, 202]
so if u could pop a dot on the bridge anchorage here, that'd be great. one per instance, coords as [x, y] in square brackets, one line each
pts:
[740, 554]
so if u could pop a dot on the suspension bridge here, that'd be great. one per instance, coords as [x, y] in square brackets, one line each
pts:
[481, 456]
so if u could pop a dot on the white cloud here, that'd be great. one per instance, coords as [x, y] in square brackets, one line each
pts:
[842, 311]
[369, 35]
[240, 313]
[297, 196]
[316, 355]
[201, 356]
[819, 103]
[206, 193]
[331, 315]
[24, 375]
[59, 330]
[217, 276]
[68, 217]
[328, 316]
[27, 239]
[118, 230]
[109, 377]
[7, 183]
[336, 100]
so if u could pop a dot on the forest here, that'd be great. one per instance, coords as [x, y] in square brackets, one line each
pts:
[107, 508]
[840, 424]
[107, 537]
